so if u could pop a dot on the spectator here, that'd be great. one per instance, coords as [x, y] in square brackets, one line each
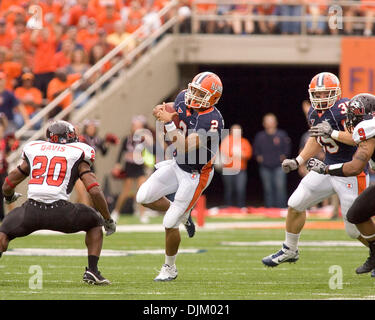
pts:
[63, 57]
[88, 37]
[119, 35]
[9, 105]
[52, 10]
[271, 147]
[150, 20]
[79, 66]
[57, 85]
[81, 9]
[266, 9]
[108, 17]
[239, 150]
[240, 25]
[127, 160]
[29, 96]
[71, 34]
[204, 26]
[369, 12]
[5, 38]
[91, 137]
[316, 12]
[44, 42]
[290, 27]
[135, 15]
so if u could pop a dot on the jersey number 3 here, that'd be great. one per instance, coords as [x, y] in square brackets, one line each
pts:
[41, 166]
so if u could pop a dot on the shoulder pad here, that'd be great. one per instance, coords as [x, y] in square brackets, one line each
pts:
[28, 145]
[364, 131]
[89, 152]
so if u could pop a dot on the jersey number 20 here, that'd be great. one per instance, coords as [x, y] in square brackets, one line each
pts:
[41, 166]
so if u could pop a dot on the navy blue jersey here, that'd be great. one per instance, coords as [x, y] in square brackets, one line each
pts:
[335, 151]
[208, 124]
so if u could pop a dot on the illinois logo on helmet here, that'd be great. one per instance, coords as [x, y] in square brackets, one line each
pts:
[324, 91]
[204, 91]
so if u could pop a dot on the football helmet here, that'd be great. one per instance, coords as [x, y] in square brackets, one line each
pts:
[204, 91]
[324, 91]
[61, 132]
[361, 107]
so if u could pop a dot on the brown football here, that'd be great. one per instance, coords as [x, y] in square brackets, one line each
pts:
[170, 108]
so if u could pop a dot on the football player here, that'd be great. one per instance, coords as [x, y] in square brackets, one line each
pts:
[188, 174]
[360, 121]
[53, 167]
[326, 117]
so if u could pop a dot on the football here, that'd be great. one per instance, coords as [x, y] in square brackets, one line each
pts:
[170, 108]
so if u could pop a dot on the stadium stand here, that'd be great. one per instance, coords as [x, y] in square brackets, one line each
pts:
[102, 43]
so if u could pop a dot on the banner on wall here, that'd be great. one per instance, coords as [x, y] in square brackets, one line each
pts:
[357, 68]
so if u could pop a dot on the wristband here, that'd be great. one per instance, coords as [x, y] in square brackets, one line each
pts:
[95, 184]
[335, 134]
[300, 160]
[170, 126]
[336, 170]
[10, 184]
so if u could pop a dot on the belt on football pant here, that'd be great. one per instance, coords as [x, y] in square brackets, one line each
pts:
[188, 169]
[42, 205]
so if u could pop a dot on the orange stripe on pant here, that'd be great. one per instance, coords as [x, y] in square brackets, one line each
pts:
[361, 181]
[203, 180]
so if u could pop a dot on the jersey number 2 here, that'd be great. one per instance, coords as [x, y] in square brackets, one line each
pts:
[41, 166]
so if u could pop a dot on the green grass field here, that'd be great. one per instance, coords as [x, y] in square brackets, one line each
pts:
[220, 272]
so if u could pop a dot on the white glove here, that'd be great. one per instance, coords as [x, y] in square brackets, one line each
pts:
[316, 165]
[289, 165]
[109, 226]
[322, 129]
[13, 198]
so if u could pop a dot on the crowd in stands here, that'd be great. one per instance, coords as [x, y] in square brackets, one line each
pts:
[37, 65]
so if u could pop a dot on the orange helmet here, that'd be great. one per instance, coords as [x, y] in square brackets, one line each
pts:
[204, 91]
[324, 90]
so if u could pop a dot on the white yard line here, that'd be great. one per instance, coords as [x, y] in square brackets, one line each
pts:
[212, 226]
[83, 252]
[301, 243]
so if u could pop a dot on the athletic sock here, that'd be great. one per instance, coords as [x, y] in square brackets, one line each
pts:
[93, 263]
[291, 240]
[170, 260]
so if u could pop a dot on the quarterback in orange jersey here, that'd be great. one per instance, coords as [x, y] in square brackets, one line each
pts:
[53, 167]
[327, 116]
[187, 175]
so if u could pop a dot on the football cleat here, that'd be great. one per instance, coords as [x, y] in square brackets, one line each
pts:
[284, 255]
[96, 278]
[190, 226]
[373, 273]
[167, 273]
[369, 265]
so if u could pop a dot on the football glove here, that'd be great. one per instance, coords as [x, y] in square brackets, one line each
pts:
[109, 226]
[321, 129]
[12, 198]
[289, 165]
[316, 165]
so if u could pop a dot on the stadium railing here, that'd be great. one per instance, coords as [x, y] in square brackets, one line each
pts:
[168, 24]
[334, 13]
